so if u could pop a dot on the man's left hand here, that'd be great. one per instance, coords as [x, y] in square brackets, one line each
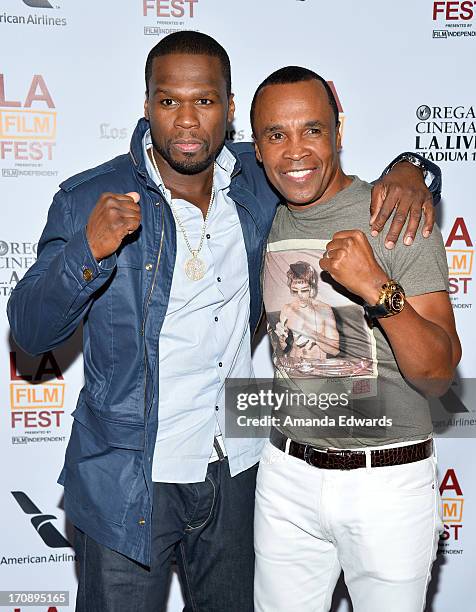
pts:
[402, 190]
[350, 261]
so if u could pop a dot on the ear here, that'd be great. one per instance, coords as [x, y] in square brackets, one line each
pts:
[338, 136]
[231, 108]
[257, 151]
[146, 107]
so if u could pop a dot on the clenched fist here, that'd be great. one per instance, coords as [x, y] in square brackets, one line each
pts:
[114, 217]
[350, 261]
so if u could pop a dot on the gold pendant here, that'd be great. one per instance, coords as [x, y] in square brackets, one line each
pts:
[195, 267]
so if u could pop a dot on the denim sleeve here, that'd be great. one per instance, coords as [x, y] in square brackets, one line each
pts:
[51, 299]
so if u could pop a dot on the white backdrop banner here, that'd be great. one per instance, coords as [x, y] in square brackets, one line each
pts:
[71, 91]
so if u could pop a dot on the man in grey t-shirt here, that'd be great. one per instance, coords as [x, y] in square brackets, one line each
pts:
[349, 484]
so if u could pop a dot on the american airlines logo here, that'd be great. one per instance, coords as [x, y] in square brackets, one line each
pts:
[38, 4]
[41, 522]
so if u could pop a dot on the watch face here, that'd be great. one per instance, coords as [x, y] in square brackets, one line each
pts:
[397, 301]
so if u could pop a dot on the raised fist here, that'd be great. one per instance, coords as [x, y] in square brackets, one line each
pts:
[115, 216]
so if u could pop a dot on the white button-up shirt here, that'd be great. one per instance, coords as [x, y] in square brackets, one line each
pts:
[205, 336]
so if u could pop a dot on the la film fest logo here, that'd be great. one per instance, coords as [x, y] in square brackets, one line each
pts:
[168, 15]
[446, 133]
[28, 122]
[36, 18]
[15, 259]
[37, 395]
[460, 256]
[452, 19]
[452, 501]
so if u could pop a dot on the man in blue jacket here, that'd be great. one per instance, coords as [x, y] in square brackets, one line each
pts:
[159, 254]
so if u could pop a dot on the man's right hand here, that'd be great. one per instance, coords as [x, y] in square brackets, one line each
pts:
[114, 217]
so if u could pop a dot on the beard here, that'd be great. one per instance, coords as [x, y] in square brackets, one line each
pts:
[189, 165]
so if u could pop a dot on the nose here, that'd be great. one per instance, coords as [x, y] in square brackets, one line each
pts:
[186, 117]
[296, 150]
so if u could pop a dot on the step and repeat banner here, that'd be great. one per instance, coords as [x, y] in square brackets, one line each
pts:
[71, 91]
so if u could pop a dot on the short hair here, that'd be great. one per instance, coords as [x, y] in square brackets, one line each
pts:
[294, 74]
[192, 43]
[303, 271]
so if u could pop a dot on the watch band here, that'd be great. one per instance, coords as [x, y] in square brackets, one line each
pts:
[412, 159]
[375, 312]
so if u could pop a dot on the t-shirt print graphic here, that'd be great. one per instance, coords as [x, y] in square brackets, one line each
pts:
[317, 329]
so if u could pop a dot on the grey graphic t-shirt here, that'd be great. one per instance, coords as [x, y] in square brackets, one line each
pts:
[323, 345]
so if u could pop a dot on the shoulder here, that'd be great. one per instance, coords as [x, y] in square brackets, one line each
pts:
[432, 246]
[248, 165]
[106, 174]
[79, 194]
[244, 151]
[251, 174]
[361, 191]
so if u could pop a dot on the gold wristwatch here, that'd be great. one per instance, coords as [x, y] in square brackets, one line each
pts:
[390, 302]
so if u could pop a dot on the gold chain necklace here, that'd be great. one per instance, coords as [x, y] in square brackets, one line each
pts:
[194, 266]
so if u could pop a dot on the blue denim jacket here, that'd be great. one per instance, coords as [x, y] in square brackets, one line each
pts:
[122, 303]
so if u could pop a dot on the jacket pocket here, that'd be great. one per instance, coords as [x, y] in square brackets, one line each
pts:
[100, 477]
[113, 432]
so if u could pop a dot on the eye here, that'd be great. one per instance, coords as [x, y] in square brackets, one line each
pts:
[167, 102]
[314, 131]
[204, 101]
[276, 136]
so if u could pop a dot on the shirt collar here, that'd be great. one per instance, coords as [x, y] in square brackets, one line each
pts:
[225, 162]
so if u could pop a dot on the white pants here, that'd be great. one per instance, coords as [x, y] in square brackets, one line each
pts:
[379, 525]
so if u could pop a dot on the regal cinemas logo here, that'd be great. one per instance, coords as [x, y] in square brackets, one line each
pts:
[169, 15]
[454, 19]
[27, 124]
[446, 133]
[460, 256]
[37, 391]
[452, 501]
[15, 259]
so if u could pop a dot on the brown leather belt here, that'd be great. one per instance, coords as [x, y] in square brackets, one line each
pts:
[337, 459]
